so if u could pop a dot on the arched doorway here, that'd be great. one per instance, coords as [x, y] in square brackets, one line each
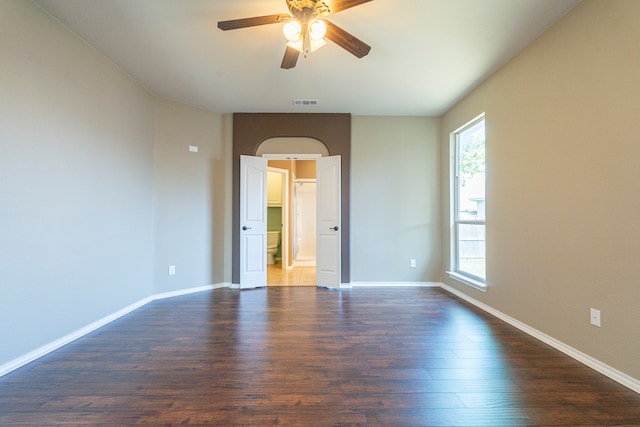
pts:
[334, 130]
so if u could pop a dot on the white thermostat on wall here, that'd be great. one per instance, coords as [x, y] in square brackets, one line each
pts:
[193, 148]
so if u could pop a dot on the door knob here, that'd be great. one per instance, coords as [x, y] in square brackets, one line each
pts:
[334, 228]
[245, 228]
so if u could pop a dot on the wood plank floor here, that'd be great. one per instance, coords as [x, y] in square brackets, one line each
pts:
[305, 356]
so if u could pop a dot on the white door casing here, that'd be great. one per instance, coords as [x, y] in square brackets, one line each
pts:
[328, 224]
[253, 222]
[284, 197]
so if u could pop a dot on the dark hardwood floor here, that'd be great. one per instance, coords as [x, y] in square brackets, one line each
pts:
[306, 356]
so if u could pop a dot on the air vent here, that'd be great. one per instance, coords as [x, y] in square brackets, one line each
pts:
[305, 102]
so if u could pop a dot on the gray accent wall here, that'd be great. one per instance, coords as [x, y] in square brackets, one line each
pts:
[562, 134]
[250, 130]
[395, 199]
[76, 183]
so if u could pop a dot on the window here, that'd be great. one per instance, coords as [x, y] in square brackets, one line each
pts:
[469, 254]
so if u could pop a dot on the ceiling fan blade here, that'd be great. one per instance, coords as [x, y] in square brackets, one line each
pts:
[252, 22]
[290, 58]
[346, 40]
[338, 5]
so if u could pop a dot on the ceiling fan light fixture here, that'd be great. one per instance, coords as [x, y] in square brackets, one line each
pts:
[313, 45]
[304, 28]
[305, 37]
[316, 44]
[317, 29]
[297, 45]
[292, 31]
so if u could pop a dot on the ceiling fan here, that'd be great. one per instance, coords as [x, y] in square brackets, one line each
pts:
[305, 30]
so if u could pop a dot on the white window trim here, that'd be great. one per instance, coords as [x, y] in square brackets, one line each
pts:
[468, 280]
[461, 276]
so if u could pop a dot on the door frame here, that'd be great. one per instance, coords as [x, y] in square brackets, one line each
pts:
[294, 226]
[249, 130]
[284, 218]
[289, 202]
[335, 279]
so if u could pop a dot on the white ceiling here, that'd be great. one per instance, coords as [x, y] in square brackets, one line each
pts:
[425, 56]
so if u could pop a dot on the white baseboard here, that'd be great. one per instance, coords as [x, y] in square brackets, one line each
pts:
[341, 286]
[352, 285]
[595, 364]
[395, 284]
[54, 345]
[614, 374]
[61, 342]
[189, 291]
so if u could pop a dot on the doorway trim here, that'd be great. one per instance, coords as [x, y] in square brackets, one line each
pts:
[294, 226]
[284, 218]
[333, 130]
[272, 156]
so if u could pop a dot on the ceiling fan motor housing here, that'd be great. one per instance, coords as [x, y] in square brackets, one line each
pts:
[306, 9]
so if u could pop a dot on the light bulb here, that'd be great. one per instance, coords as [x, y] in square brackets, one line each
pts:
[292, 30]
[317, 29]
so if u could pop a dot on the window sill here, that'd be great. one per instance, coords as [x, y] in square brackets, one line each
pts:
[476, 284]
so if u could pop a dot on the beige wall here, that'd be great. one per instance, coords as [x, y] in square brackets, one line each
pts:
[100, 192]
[395, 199]
[562, 128]
[191, 219]
[282, 164]
[76, 179]
[306, 169]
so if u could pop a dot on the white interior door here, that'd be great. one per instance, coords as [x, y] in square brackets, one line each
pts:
[253, 222]
[328, 226]
[305, 211]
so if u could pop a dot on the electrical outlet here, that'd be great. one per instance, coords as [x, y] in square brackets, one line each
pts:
[412, 263]
[172, 270]
[595, 317]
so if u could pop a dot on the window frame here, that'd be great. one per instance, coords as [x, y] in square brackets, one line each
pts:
[456, 273]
